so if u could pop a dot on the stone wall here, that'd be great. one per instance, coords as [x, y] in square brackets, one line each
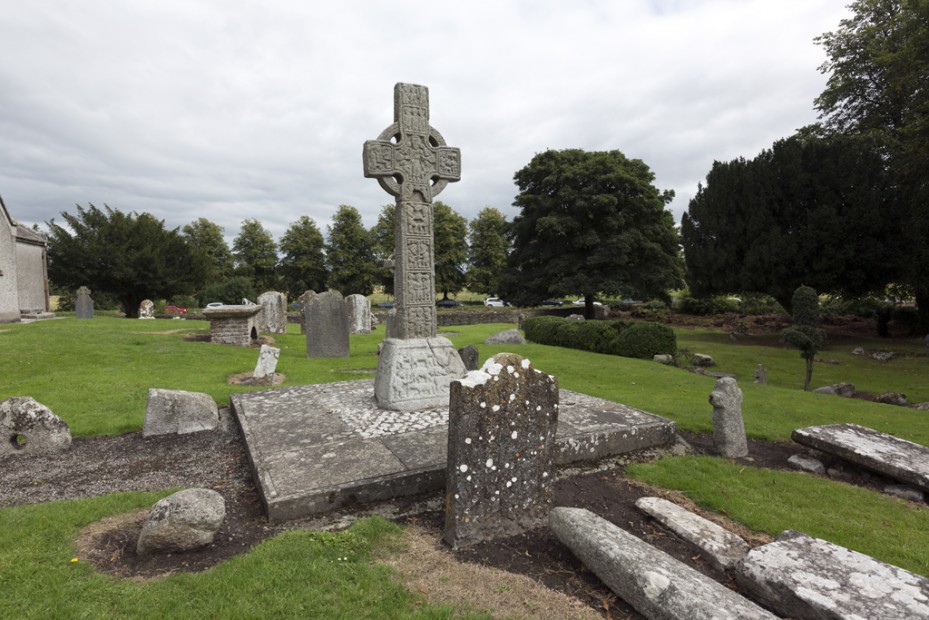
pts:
[31, 278]
[238, 331]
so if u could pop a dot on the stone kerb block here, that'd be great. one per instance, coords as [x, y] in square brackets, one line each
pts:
[179, 412]
[83, 304]
[326, 326]
[29, 427]
[803, 577]
[358, 314]
[272, 318]
[728, 426]
[501, 434]
[267, 364]
[184, 521]
[147, 309]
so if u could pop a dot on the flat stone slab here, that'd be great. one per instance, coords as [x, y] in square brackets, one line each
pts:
[722, 548]
[894, 457]
[803, 577]
[656, 584]
[318, 448]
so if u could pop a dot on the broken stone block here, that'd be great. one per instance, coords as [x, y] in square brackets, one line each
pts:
[29, 427]
[180, 412]
[509, 336]
[184, 521]
[267, 364]
[470, 357]
[728, 426]
[891, 398]
[803, 577]
[905, 492]
[807, 464]
[663, 358]
[702, 360]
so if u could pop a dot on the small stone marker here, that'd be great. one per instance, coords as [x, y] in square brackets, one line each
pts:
[304, 301]
[272, 319]
[803, 577]
[180, 412]
[29, 427]
[267, 364]
[501, 434]
[894, 457]
[728, 427]
[83, 304]
[723, 549]
[358, 311]
[761, 375]
[470, 357]
[702, 360]
[509, 336]
[327, 329]
[147, 309]
[184, 521]
[656, 584]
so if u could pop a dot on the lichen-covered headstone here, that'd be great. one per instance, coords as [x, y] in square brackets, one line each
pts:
[29, 427]
[267, 364]
[326, 327]
[184, 521]
[304, 300]
[358, 311]
[83, 304]
[180, 412]
[147, 309]
[728, 426]
[501, 434]
[273, 316]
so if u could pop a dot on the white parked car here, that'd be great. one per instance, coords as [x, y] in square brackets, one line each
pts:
[580, 302]
[494, 302]
[215, 304]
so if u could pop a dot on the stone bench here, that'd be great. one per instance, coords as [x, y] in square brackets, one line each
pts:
[888, 455]
[657, 585]
[803, 577]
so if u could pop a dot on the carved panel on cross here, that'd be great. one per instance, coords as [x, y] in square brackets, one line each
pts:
[449, 162]
[418, 288]
[419, 255]
[417, 219]
[413, 105]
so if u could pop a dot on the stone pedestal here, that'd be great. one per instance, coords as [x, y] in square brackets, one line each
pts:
[415, 373]
[233, 325]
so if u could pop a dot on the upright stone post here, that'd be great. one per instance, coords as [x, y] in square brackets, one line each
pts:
[84, 304]
[412, 163]
[728, 427]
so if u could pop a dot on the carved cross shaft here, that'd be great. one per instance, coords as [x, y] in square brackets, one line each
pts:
[411, 162]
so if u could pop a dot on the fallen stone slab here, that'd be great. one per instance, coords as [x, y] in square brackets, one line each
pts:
[804, 577]
[905, 492]
[722, 548]
[657, 585]
[894, 457]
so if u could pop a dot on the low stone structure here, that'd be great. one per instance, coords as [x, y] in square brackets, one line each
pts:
[23, 271]
[147, 309]
[184, 521]
[29, 427]
[501, 434]
[358, 314]
[233, 325]
[509, 336]
[803, 577]
[83, 304]
[179, 412]
[272, 319]
[326, 326]
[728, 426]
[722, 548]
[266, 366]
[654, 583]
[891, 456]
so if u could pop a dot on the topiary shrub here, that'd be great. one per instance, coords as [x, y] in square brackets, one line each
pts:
[805, 333]
[644, 340]
[706, 305]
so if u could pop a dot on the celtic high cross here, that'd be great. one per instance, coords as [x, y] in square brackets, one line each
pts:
[411, 162]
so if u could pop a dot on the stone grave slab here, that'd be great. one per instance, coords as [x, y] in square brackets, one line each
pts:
[891, 456]
[305, 442]
[803, 577]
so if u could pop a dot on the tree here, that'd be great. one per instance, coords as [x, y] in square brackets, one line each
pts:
[255, 255]
[451, 249]
[131, 256]
[590, 223]
[353, 268]
[303, 264]
[206, 238]
[812, 209]
[877, 63]
[487, 251]
[382, 236]
[805, 333]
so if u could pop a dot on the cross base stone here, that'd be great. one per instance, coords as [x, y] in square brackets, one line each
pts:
[415, 373]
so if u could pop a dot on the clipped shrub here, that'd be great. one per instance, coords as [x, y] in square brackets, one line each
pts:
[644, 340]
[703, 306]
[593, 336]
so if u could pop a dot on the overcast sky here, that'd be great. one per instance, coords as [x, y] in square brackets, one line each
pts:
[233, 109]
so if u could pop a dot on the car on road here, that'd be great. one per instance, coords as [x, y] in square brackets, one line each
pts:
[215, 304]
[550, 302]
[580, 302]
[386, 304]
[494, 302]
[176, 309]
[448, 303]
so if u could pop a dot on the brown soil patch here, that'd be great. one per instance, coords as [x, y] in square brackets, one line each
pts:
[245, 378]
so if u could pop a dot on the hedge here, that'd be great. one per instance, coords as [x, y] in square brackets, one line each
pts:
[640, 339]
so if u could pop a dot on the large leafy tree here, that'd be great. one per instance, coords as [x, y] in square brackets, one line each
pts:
[131, 256]
[353, 267]
[812, 210]
[303, 264]
[487, 251]
[207, 240]
[878, 63]
[382, 236]
[451, 249]
[590, 223]
[255, 255]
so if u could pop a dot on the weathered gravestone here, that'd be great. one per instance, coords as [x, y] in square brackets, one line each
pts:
[470, 357]
[358, 314]
[146, 309]
[178, 412]
[411, 162]
[272, 319]
[501, 434]
[83, 304]
[29, 427]
[326, 327]
[267, 364]
[728, 426]
[303, 300]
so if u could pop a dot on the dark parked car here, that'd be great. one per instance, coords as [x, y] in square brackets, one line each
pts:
[386, 304]
[550, 302]
[448, 303]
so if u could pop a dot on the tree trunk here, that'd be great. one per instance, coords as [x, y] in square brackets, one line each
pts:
[809, 375]
[588, 307]
[922, 311]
